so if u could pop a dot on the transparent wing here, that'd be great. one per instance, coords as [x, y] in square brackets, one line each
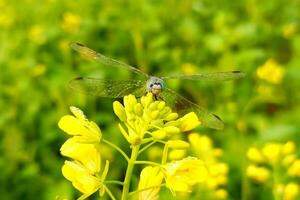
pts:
[217, 76]
[108, 88]
[181, 105]
[91, 54]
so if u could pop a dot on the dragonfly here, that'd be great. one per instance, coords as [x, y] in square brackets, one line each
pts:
[156, 85]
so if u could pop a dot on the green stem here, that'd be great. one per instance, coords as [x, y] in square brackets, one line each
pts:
[113, 182]
[165, 155]
[147, 146]
[275, 182]
[117, 148]
[147, 163]
[109, 193]
[133, 157]
[148, 188]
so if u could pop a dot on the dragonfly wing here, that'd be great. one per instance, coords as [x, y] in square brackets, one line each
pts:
[108, 88]
[91, 54]
[181, 105]
[217, 76]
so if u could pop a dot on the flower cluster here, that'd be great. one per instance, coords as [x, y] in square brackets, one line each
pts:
[216, 181]
[278, 164]
[143, 123]
[150, 117]
[84, 150]
[271, 72]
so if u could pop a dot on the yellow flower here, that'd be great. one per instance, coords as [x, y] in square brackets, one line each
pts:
[178, 144]
[221, 194]
[152, 117]
[259, 174]
[289, 159]
[288, 148]
[87, 154]
[78, 126]
[71, 22]
[272, 152]
[189, 122]
[291, 191]
[255, 155]
[271, 71]
[177, 154]
[151, 177]
[37, 34]
[289, 30]
[294, 169]
[80, 177]
[181, 175]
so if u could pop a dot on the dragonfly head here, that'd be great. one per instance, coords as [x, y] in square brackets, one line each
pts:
[155, 85]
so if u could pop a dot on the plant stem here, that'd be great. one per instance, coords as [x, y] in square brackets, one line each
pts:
[109, 193]
[116, 148]
[113, 182]
[133, 157]
[147, 146]
[147, 163]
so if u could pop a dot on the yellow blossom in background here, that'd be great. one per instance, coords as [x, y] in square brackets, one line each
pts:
[255, 155]
[79, 127]
[39, 70]
[272, 152]
[221, 194]
[7, 16]
[294, 169]
[288, 148]
[291, 191]
[37, 34]
[217, 179]
[259, 174]
[271, 71]
[289, 159]
[151, 177]
[289, 30]
[183, 174]
[189, 68]
[71, 22]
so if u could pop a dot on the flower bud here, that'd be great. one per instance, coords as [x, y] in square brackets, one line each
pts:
[119, 111]
[159, 134]
[189, 122]
[171, 116]
[178, 144]
[171, 130]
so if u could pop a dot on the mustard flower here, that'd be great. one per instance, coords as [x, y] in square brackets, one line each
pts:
[272, 152]
[294, 169]
[71, 22]
[271, 71]
[80, 177]
[78, 126]
[259, 174]
[255, 155]
[152, 117]
[87, 154]
[291, 191]
[150, 183]
[183, 174]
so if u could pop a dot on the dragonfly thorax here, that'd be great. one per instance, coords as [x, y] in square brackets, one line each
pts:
[155, 85]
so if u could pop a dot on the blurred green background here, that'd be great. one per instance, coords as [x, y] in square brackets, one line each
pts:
[261, 38]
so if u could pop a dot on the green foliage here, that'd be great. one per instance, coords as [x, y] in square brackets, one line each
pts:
[161, 37]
